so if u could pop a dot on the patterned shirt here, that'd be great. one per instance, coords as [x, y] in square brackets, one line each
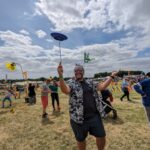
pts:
[76, 106]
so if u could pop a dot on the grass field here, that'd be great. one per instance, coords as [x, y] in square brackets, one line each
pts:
[26, 130]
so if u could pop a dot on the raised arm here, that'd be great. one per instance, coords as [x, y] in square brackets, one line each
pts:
[138, 89]
[105, 84]
[63, 86]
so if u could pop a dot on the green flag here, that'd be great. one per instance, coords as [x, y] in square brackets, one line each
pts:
[87, 58]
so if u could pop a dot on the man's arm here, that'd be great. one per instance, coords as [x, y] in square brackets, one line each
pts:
[138, 89]
[63, 86]
[104, 85]
[111, 97]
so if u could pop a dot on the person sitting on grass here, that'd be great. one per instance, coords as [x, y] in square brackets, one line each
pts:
[8, 95]
[107, 99]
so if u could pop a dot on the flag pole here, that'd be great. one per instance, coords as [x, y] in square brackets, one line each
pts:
[21, 69]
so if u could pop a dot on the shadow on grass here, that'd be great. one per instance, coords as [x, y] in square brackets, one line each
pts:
[3, 112]
[46, 121]
[135, 102]
[57, 113]
[109, 119]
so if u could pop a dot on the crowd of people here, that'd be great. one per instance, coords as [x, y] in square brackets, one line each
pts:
[88, 101]
[48, 87]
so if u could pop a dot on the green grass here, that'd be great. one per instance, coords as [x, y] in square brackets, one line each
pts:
[26, 130]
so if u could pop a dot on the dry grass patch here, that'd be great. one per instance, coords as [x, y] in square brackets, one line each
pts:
[26, 130]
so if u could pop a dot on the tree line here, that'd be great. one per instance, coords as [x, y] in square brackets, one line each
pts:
[97, 75]
[121, 73]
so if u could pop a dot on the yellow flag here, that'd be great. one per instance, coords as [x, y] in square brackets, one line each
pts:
[11, 66]
[12, 110]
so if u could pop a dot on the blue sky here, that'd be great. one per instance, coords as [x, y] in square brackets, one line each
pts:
[114, 32]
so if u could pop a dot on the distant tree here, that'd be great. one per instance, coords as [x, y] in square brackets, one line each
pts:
[121, 73]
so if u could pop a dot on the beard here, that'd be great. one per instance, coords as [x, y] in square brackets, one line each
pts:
[79, 77]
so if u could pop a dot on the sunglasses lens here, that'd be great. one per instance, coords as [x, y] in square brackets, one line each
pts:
[78, 70]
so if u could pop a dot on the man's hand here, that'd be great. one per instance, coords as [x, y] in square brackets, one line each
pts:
[60, 70]
[114, 73]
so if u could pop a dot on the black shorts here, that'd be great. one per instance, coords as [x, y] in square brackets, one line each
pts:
[93, 126]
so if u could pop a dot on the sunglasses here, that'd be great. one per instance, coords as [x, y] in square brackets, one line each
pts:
[78, 70]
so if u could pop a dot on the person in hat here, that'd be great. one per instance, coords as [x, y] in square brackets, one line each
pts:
[85, 106]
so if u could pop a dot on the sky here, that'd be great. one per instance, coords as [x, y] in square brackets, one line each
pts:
[116, 33]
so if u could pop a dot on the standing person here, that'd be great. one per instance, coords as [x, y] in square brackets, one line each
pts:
[143, 88]
[54, 94]
[31, 94]
[84, 106]
[44, 97]
[125, 89]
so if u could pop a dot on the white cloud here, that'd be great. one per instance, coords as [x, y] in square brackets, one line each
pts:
[69, 15]
[147, 54]
[40, 33]
[49, 40]
[107, 15]
[127, 14]
[124, 14]
[24, 32]
[42, 62]
[11, 38]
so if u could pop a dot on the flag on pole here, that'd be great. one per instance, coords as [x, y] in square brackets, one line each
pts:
[11, 66]
[87, 58]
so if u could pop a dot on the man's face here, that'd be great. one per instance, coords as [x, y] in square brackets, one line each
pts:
[79, 72]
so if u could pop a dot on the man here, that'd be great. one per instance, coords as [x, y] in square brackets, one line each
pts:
[85, 106]
[143, 88]
[125, 89]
